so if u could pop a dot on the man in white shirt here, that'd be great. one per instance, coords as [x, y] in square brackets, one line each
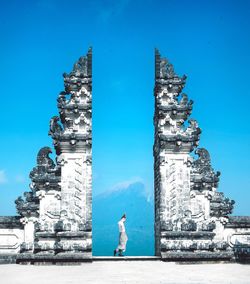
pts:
[123, 238]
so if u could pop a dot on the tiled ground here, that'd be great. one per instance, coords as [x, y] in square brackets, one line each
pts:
[126, 272]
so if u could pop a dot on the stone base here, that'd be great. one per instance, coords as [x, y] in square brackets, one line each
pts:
[242, 254]
[8, 258]
[196, 256]
[78, 258]
[126, 258]
[67, 258]
[174, 235]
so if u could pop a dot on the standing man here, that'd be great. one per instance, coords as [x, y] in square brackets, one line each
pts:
[122, 237]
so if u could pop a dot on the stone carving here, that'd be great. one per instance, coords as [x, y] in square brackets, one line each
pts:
[81, 73]
[184, 101]
[203, 176]
[55, 127]
[28, 206]
[45, 178]
[189, 225]
[167, 225]
[166, 69]
[81, 67]
[57, 211]
[208, 226]
[61, 100]
[221, 206]
[73, 147]
[189, 210]
[203, 164]
[193, 127]
[44, 162]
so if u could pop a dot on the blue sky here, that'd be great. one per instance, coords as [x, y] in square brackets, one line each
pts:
[209, 41]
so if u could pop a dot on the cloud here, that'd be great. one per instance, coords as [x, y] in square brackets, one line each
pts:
[3, 178]
[125, 184]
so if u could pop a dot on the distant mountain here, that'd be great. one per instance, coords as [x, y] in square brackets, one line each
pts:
[108, 208]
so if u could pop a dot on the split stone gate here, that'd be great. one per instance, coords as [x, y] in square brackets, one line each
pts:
[192, 219]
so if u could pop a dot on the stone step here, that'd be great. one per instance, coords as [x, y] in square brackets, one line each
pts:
[196, 255]
[126, 258]
[7, 258]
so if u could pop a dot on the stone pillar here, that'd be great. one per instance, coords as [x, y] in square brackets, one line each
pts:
[29, 231]
[72, 134]
[57, 212]
[173, 143]
[45, 237]
[184, 186]
[40, 209]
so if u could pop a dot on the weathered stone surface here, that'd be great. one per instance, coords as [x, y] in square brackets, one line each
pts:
[191, 218]
[56, 214]
[59, 258]
[11, 237]
[238, 222]
[10, 222]
[8, 258]
[199, 255]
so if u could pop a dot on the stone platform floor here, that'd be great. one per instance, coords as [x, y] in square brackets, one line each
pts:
[126, 272]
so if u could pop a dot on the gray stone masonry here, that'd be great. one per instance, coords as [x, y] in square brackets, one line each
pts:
[191, 217]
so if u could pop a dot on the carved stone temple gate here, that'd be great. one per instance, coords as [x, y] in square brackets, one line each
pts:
[57, 213]
[192, 219]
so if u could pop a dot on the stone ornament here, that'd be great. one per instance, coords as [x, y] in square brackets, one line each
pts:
[190, 214]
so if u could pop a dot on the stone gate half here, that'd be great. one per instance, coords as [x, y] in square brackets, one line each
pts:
[192, 219]
[57, 213]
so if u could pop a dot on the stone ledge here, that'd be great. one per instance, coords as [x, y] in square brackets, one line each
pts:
[10, 222]
[126, 258]
[45, 235]
[60, 258]
[238, 222]
[200, 255]
[187, 235]
[8, 258]
[79, 234]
